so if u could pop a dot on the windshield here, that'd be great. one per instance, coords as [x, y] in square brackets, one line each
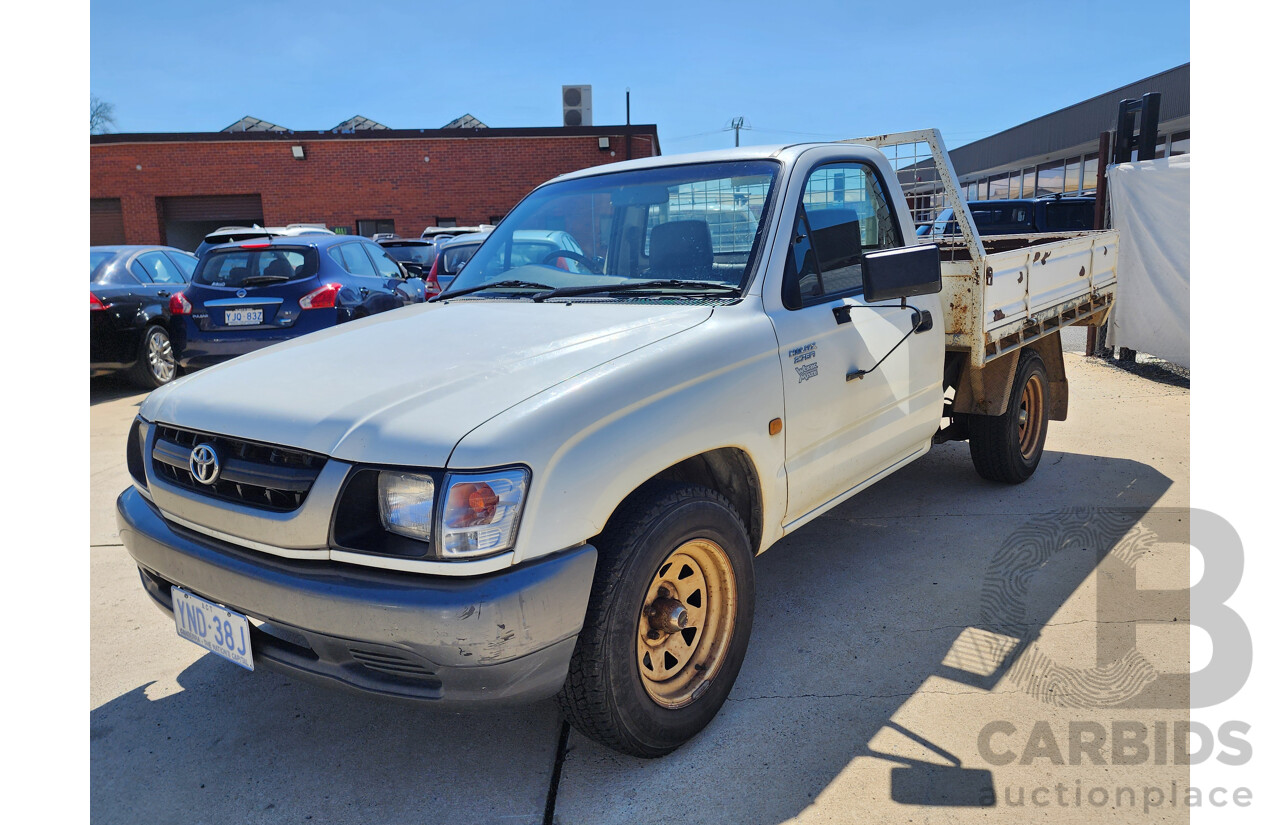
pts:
[423, 253]
[697, 223]
[234, 266]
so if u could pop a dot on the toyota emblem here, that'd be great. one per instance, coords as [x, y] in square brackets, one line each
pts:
[240, 293]
[204, 464]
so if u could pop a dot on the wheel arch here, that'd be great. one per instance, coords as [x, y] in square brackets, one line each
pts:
[727, 470]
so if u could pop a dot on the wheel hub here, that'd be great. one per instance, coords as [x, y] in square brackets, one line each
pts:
[667, 615]
[686, 623]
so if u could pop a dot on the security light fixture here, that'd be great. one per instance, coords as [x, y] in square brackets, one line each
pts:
[604, 144]
[299, 153]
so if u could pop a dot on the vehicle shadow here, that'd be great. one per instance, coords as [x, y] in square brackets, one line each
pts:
[870, 607]
[106, 388]
[235, 747]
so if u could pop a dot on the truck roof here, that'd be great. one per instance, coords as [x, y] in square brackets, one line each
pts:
[783, 151]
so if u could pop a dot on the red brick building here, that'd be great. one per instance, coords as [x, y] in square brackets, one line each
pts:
[175, 188]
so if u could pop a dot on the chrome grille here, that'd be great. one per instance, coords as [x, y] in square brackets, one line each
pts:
[264, 476]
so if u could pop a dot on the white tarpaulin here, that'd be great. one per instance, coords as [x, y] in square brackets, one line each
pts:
[1151, 206]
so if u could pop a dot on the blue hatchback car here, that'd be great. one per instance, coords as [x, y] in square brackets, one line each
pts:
[246, 296]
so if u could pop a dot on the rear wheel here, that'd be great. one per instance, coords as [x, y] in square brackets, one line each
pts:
[667, 624]
[156, 365]
[1008, 447]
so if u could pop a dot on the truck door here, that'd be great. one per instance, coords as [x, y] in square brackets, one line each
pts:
[840, 433]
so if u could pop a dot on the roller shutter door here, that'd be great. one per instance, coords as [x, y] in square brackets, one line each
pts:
[212, 208]
[106, 222]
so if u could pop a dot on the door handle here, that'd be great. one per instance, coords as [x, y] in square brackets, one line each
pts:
[164, 293]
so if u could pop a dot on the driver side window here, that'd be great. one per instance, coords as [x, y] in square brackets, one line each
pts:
[843, 214]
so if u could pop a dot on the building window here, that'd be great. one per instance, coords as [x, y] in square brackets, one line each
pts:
[1028, 183]
[496, 219]
[370, 228]
[1000, 187]
[1071, 182]
[1090, 181]
[1181, 144]
[446, 222]
[1050, 178]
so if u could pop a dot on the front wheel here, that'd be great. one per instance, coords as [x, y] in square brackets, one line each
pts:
[667, 624]
[1008, 447]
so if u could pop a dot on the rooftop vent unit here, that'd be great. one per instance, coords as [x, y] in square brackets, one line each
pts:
[577, 105]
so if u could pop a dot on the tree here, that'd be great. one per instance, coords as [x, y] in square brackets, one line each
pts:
[102, 115]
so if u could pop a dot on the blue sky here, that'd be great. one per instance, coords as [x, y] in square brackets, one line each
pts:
[795, 71]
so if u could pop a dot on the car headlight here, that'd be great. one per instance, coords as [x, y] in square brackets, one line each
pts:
[406, 503]
[481, 512]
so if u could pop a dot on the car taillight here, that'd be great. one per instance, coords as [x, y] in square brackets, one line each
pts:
[179, 305]
[323, 298]
[255, 246]
[433, 283]
[95, 304]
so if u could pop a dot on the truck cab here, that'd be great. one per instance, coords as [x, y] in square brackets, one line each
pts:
[568, 500]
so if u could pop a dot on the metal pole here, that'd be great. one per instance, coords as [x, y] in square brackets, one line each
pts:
[628, 123]
[1099, 218]
[1100, 202]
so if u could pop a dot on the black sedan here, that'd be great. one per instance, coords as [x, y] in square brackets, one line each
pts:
[129, 288]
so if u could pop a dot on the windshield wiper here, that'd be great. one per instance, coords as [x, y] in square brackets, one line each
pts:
[454, 293]
[663, 284]
[254, 280]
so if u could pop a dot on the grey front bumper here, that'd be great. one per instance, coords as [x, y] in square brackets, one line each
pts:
[506, 636]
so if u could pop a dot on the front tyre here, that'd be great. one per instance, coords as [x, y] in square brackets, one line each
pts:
[667, 623]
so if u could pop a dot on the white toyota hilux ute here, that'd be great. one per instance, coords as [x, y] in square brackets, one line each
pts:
[552, 479]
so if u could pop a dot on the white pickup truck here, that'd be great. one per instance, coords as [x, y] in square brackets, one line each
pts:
[552, 479]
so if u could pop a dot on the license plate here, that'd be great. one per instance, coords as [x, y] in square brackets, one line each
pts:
[242, 317]
[213, 627]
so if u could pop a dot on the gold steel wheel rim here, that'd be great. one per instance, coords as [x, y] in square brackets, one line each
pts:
[686, 623]
[1030, 416]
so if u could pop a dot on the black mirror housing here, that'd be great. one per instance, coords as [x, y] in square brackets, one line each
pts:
[901, 273]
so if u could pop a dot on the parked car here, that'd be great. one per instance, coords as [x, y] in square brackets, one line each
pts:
[453, 231]
[556, 482]
[451, 256]
[247, 296]
[554, 247]
[240, 234]
[1019, 217]
[129, 287]
[416, 254]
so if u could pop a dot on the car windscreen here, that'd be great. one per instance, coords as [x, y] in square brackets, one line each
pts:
[255, 266]
[424, 254]
[98, 261]
[694, 223]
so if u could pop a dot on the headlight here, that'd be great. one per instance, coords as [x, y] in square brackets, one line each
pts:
[406, 502]
[481, 512]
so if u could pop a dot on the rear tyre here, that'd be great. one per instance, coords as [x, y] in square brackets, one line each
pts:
[667, 623]
[1008, 447]
[156, 365]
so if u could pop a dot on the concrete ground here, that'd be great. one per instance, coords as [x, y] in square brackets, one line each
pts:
[889, 634]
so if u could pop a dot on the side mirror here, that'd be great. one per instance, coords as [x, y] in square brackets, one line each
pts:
[901, 273]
